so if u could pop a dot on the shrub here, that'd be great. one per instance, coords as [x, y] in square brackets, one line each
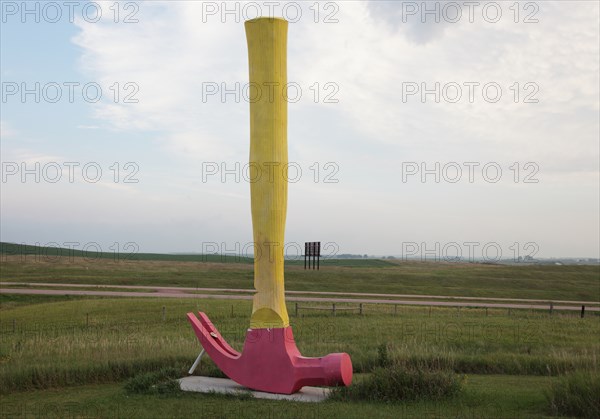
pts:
[576, 394]
[157, 382]
[395, 383]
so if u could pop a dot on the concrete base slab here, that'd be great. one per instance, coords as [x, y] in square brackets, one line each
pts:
[226, 386]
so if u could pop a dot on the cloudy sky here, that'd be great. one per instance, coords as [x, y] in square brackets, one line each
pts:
[414, 128]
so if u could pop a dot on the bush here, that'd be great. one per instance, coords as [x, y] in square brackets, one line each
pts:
[396, 383]
[157, 382]
[576, 394]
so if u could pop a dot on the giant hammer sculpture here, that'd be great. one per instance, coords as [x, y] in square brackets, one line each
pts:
[270, 360]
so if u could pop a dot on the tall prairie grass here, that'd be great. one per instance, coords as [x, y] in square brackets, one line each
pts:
[576, 394]
[73, 342]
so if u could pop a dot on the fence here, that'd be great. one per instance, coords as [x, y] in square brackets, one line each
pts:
[333, 309]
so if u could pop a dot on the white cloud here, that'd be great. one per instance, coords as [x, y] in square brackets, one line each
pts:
[170, 53]
[369, 54]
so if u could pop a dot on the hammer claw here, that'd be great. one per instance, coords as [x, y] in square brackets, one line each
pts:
[270, 360]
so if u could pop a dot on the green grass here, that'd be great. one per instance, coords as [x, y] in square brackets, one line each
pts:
[162, 381]
[395, 382]
[47, 253]
[576, 394]
[78, 353]
[483, 396]
[544, 282]
[348, 263]
[65, 343]
[8, 301]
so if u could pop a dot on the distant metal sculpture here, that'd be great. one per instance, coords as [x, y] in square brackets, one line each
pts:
[270, 360]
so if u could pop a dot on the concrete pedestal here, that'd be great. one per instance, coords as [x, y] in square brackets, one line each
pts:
[226, 386]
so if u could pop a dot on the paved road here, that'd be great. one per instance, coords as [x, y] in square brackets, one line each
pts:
[346, 294]
[170, 294]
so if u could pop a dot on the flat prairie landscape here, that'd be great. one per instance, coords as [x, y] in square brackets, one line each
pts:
[390, 276]
[169, 168]
[64, 355]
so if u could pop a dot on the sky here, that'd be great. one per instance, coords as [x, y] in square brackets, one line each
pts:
[423, 129]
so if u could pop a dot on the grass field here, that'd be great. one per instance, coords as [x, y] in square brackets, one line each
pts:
[64, 356]
[484, 396]
[546, 282]
[68, 343]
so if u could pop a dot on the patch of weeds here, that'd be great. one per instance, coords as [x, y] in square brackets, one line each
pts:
[237, 394]
[162, 382]
[398, 383]
[383, 357]
[576, 394]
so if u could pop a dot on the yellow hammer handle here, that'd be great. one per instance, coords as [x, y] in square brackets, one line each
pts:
[267, 56]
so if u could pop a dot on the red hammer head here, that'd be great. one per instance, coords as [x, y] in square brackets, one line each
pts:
[270, 360]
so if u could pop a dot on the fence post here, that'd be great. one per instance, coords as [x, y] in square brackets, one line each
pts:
[361, 312]
[333, 309]
[296, 309]
[582, 311]
[164, 314]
